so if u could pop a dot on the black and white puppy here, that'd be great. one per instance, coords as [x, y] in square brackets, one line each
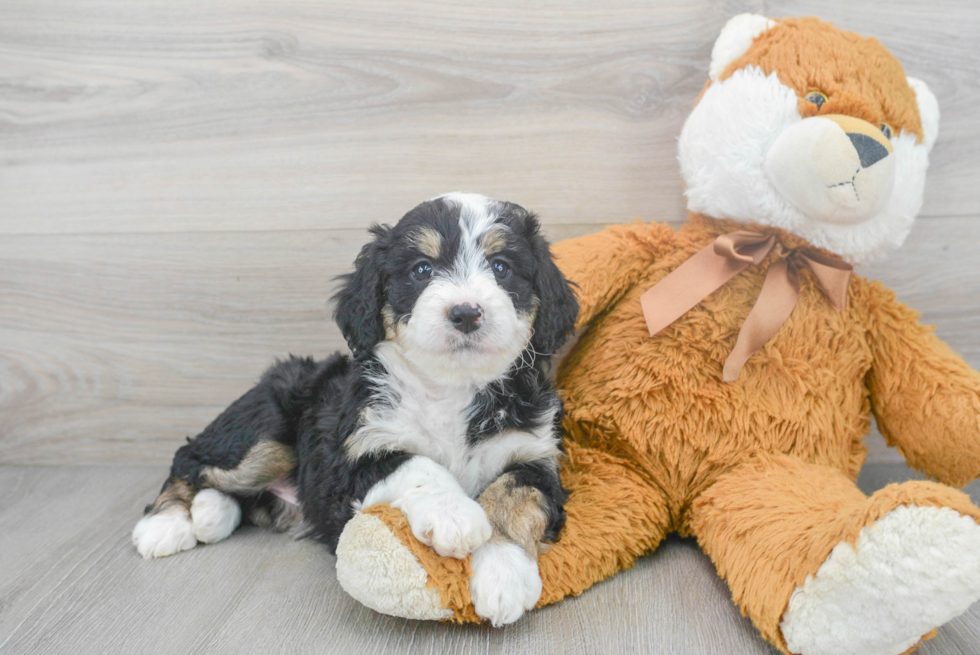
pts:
[443, 409]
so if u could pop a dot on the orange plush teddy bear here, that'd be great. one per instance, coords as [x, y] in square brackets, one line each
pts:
[728, 371]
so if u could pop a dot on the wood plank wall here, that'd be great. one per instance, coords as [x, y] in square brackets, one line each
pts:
[180, 181]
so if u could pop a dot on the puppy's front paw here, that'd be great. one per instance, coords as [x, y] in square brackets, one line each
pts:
[505, 582]
[453, 524]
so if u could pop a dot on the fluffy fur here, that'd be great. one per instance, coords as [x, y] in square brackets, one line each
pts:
[762, 471]
[726, 139]
[451, 316]
[369, 550]
[722, 151]
[911, 570]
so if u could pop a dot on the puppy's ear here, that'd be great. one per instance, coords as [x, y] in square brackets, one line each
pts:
[557, 308]
[361, 297]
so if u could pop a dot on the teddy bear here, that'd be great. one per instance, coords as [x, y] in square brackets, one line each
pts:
[727, 372]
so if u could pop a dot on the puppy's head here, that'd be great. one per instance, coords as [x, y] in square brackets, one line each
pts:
[463, 285]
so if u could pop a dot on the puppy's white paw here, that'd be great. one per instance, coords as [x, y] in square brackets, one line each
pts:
[453, 524]
[159, 535]
[505, 582]
[214, 515]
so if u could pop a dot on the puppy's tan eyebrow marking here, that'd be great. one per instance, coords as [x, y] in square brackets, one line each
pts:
[494, 239]
[428, 241]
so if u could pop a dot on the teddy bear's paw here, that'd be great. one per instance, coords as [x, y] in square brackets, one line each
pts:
[454, 525]
[912, 570]
[505, 582]
[381, 572]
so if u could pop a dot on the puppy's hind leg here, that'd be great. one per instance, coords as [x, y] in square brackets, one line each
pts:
[203, 505]
[214, 515]
[166, 527]
[261, 481]
[182, 516]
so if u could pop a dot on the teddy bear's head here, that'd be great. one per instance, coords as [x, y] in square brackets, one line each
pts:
[812, 130]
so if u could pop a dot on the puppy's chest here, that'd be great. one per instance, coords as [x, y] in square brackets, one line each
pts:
[434, 425]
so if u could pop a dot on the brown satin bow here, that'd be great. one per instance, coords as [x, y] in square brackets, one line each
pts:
[723, 259]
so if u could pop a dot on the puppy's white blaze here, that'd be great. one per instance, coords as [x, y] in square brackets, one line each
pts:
[722, 150]
[439, 512]
[477, 214]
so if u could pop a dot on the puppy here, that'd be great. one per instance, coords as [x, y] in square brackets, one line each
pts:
[443, 408]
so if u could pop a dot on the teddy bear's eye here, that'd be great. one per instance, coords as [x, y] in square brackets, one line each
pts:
[816, 98]
[886, 129]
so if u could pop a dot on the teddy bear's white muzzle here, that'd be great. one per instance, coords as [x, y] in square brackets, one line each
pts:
[835, 169]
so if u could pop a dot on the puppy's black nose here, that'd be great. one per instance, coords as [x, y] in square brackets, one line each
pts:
[466, 318]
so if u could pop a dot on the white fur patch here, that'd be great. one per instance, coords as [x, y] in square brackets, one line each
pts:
[439, 512]
[505, 582]
[735, 39]
[416, 415]
[378, 570]
[160, 535]
[722, 150]
[214, 515]
[913, 570]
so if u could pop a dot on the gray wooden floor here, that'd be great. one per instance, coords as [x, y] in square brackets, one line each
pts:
[179, 183]
[71, 583]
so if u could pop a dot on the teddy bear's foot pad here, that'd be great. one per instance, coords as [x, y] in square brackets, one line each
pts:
[378, 570]
[912, 570]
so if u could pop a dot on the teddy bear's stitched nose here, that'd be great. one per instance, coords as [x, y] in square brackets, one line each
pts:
[869, 151]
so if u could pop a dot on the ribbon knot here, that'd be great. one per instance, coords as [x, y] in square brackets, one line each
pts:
[726, 257]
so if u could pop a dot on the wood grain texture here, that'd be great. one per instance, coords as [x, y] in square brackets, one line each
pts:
[179, 182]
[290, 115]
[114, 347]
[70, 582]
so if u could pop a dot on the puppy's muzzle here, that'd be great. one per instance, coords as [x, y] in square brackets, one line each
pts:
[466, 318]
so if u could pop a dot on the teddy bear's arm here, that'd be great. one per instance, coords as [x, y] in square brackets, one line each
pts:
[925, 397]
[606, 264]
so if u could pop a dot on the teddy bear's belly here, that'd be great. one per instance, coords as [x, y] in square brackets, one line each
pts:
[663, 397]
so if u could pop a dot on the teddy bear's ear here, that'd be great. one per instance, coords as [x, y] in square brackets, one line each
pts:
[928, 110]
[735, 39]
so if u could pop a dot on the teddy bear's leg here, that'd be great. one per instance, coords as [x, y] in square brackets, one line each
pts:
[820, 568]
[614, 516]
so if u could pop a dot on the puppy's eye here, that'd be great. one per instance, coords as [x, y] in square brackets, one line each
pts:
[501, 269]
[816, 98]
[886, 129]
[422, 271]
